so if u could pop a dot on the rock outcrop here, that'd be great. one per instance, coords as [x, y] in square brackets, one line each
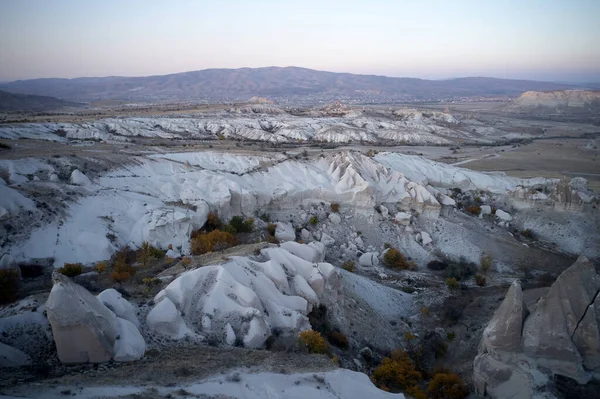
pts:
[245, 300]
[85, 330]
[520, 353]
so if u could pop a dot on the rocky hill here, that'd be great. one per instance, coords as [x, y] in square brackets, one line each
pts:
[271, 81]
[10, 102]
[566, 102]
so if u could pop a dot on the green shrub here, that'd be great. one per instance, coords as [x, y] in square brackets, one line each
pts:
[265, 217]
[216, 240]
[71, 269]
[485, 263]
[148, 252]
[314, 342]
[242, 225]
[394, 259]
[451, 335]
[452, 283]
[461, 269]
[9, 285]
[349, 265]
[313, 220]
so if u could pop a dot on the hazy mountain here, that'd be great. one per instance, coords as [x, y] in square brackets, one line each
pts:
[25, 102]
[274, 82]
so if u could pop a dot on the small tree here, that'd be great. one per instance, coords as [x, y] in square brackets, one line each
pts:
[394, 259]
[485, 263]
[313, 341]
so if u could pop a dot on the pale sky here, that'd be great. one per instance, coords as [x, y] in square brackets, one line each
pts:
[435, 39]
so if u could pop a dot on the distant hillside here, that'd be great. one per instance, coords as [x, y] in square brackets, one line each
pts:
[272, 82]
[558, 99]
[10, 102]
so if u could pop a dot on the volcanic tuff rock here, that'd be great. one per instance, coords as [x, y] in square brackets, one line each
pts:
[560, 337]
[85, 330]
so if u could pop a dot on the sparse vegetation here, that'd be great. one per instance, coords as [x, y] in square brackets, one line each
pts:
[100, 267]
[216, 240]
[241, 225]
[9, 285]
[397, 373]
[452, 283]
[447, 386]
[425, 311]
[461, 269]
[485, 263]
[122, 269]
[349, 266]
[71, 269]
[313, 220]
[148, 252]
[271, 229]
[337, 339]
[265, 217]
[335, 207]
[473, 209]
[528, 233]
[451, 335]
[395, 260]
[313, 340]
[480, 280]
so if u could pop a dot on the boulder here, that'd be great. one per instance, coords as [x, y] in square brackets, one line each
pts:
[424, 238]
[369, 259]
[384, 211]
[129, 343]
[54, 178]
[402, 218]
[120, 306]
[504, 216]
[335, 218]
[84, 329]
[313, 252]
[285, 232]
[79, 179]
[327, 240]
[305, 235]
[165, 319]
[486, 210]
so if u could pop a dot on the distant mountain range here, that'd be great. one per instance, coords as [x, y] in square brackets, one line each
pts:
[272, 82]
[10, 102]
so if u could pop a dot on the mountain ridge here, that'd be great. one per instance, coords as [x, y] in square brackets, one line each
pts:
[240, 83]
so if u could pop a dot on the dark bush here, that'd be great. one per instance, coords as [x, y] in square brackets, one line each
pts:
[242, 225]
[9, 285]
[216, 240]
[437, 265]
[394, 259]
[461, 269]
[337, 339]
[31, 270]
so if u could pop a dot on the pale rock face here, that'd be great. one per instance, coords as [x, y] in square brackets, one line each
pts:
[424, 238]
[3, 213]
[560, 336]
[369, 259]
[246, 299]
[165, 319]
[402, 218]
[54, 178]
[173, 254]
[12, 357]
[505, 216]
[79, 179]
[229, 335]
[120, 306]
[335, 218]
[327, 240]
[384, 211]
[285, 232]
[486, 210]
[129, 344]
[305, 235]
[84, 329]
[503, 332]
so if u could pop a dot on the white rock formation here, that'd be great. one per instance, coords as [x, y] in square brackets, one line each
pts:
[424, 238]
[327, 240]
[12, 357]
[369, 259]
[120, 306]
[402, 218]
[78, 178]
[486, 210]
[505, 216]
[335, 218]
[247, 297]
[285, 232]
[85, 330]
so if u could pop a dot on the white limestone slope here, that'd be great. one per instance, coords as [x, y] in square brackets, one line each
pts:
[244, 300]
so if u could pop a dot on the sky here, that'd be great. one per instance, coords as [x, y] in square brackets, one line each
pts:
[555, 40]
